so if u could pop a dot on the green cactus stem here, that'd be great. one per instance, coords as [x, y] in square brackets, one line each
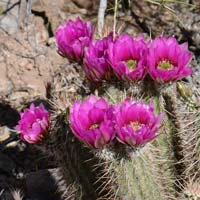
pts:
[79, 166]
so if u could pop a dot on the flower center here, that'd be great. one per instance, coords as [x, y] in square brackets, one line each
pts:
[165, 65]
[94, 126]
[135, 126]
[131, 64]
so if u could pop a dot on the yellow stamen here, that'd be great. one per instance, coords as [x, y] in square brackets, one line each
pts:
[135, 126]
[165, 65]
[131, 64]
[94, 126]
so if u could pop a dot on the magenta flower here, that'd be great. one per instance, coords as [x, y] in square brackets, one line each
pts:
[136, 123]
[96, 59]
[33, 124]
[73, 37]
[167, 60]
[128, 57]
[92, 121]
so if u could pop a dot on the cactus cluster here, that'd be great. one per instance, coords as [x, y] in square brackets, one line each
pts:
[138, 137]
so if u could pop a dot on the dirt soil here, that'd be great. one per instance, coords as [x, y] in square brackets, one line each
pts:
[29, 60]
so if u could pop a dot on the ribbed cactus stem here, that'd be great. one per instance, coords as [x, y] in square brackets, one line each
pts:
[191, 191]
[146, 174]
[120, 172]
[117, 92]
[140, 178]
[164, 145]
[171, 106]
[65, 190]
[79, 166]
[191, 144]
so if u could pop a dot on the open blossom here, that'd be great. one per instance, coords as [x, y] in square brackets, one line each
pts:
[136, 123]
[96, 63]
[33, 124]
[92, 121]
[72, 37]
[167, 60]
[127, 57]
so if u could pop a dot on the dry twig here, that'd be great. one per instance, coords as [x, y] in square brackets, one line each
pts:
[101, 15]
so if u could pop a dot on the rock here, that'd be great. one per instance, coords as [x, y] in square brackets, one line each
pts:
[84, 4]
[12, 144]
[42, 35]
[72, 8]
[9, 24]
[5, 83]
[87, 4]
[51, 41]
[4, 133]
[23, 69]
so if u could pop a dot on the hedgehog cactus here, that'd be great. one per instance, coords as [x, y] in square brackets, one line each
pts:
[138, 139]
[157, 170]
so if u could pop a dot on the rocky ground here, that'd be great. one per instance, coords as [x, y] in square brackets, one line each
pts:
[29, 60]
